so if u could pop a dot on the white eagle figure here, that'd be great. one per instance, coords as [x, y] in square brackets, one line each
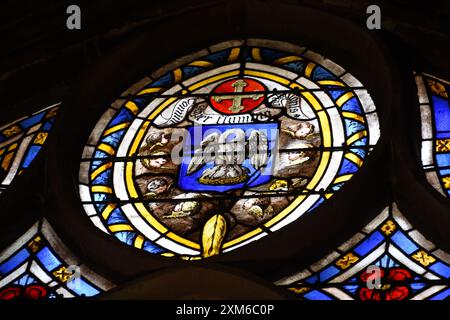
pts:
[228, 151]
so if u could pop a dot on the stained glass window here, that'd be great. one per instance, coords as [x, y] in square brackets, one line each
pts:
[388, 253]
[39, 266]
[225, 146]
[21, 141]
[435, 118]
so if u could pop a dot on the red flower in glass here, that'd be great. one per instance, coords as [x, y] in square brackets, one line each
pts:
[392, 285]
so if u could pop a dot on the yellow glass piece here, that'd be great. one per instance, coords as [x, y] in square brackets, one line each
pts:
[353, 116]
[2, 151]
[7, 160]
[344, 98]
[266, 75]
[11, 131]
[100, 170]
[437, 88]
[184, 241]
[244, 237]
[189, 258]
[309, 69]
[213, 233]
[443, 145]
[107, 149]
[423, 258]
[343, 178]
[103, 189]
[201, 63]
[139, 241]
[107, 211]
[12, 147]
[299, 290]
[149, 90]
[295, 85]
[177, 75]
[234, 53]
[52, 112]
[35, 244]
[130, 105]
[287, 59]
[168, 254]
[41, 137]
[62, 274]
[446, 181]
[256, 54]
[353, 157]
[346, 261]
[356, 137]
[116, 128]
[120, 227]
[328, 195]
[389, 227]
[331, 83]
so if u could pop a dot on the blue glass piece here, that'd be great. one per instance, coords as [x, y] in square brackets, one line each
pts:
[352, 105]
[369, 243]
[400, 239]
[100, 154]
[14, 262]
[97, 163]
[347, 167]
[443, 159]
[270, 55]
[361, 143]
[124, 115]
[336, 93]
[165, 81]
[101, 196]
[316, 295]
[441, 295]
[352, 126]
[116, 217]
[322, 74]
[126, 237]
[337, 187]
[82, 287]
[100, 206]
[443, 135]
[31, 154]
[318, 203]
[114, 138]
[48, 259]
[296, 67]
[360, 152]
[441, 113]
[441, 269]
[416, 286]
[47, 126]
[218, 58]
[445, 172]
[105, 178]
[31, 121]
[25, 280]
[152, 247]
[191, 71]
[312, 279]
[351, 288]
[328, 272]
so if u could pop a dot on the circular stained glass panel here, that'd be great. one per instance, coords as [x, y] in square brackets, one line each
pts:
[225, 146]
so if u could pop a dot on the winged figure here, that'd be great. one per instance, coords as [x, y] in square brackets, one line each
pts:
[228, 151]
